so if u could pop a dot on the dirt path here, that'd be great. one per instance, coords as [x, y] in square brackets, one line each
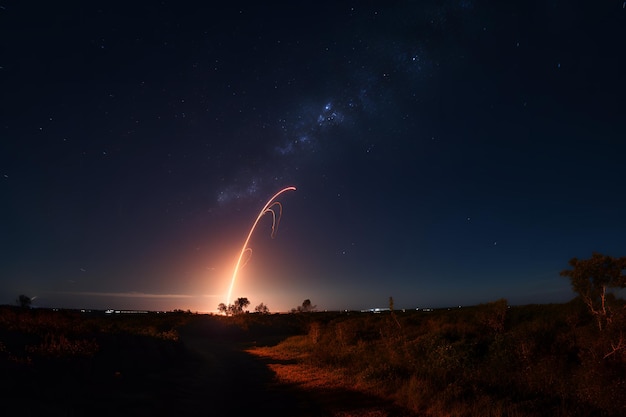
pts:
[327, 387]
[227, 380]
[209, 374]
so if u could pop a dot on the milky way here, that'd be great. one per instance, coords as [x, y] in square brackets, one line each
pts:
[445, 152]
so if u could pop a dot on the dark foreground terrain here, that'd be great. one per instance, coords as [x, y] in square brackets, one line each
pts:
[55, 363]
[488, 360]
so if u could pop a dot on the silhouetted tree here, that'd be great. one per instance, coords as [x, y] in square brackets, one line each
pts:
[222, 308]
[306, 306]
[24, 301]
[240, 304]
[262, 309]
[591, 278]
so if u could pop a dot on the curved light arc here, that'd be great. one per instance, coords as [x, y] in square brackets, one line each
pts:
[268, 208]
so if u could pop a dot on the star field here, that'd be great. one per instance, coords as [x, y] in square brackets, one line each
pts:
[444, 153]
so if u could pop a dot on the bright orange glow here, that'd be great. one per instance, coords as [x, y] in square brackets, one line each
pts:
[268, 208]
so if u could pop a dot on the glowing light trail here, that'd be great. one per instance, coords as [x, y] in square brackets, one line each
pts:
[268, 208]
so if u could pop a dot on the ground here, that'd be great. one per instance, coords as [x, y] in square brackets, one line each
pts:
[204, 373]
[245, 379]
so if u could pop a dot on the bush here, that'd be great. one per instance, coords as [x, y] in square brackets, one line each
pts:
[488, 360]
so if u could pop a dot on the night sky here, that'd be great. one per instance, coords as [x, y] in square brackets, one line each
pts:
[444, 152]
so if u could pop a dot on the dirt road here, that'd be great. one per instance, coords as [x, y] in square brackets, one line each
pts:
[227, 380]
[208, 373]
[222, 379]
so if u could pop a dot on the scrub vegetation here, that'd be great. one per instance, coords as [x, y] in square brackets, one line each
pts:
[486, 360]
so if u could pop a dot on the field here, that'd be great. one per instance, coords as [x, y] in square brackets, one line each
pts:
[487, 360]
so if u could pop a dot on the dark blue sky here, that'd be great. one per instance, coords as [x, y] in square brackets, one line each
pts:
[444, 152]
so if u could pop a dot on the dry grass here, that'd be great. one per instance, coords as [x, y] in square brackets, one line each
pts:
[487, 361]
[484, 361]
[291, 367]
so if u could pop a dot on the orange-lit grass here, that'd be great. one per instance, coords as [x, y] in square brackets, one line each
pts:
[292, 363]
[289, 361]
[428, 365]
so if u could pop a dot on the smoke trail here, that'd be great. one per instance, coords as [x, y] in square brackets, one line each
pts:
[270, 207]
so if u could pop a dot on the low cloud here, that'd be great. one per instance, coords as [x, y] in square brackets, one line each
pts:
[132, 294]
